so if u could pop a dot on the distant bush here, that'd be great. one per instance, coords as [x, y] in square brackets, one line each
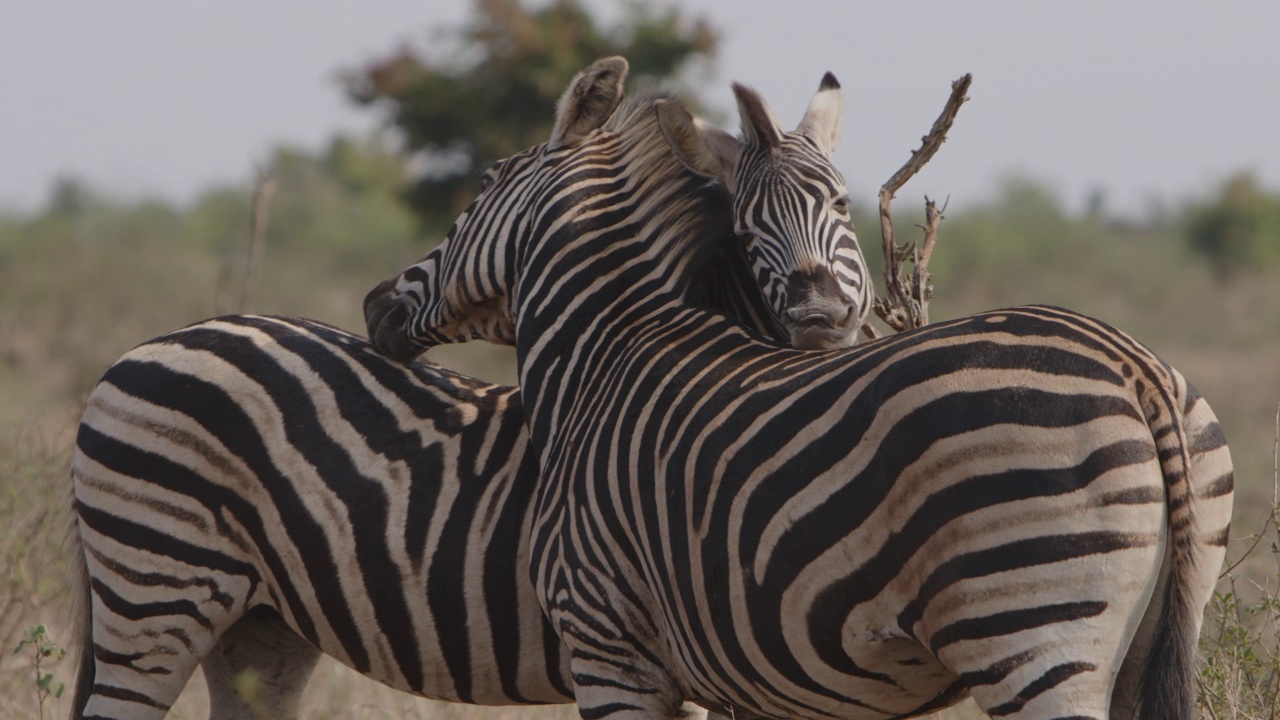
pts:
[1238, 228]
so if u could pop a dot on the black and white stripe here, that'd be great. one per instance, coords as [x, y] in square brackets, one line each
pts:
[1025, 505]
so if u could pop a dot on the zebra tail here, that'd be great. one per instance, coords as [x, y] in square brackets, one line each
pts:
[81, 621]
[1167, 687]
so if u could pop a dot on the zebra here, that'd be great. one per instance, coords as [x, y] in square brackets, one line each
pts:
[253, 492]
[1025, 505]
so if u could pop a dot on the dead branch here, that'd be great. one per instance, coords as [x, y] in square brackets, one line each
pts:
[264, 188]
[906, 302]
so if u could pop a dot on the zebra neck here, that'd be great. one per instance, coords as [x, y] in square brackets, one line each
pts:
[726, 285]
[593, 292]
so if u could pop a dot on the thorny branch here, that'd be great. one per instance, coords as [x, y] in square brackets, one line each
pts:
[906, 302]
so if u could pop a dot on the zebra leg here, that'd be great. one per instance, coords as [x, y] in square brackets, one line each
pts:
[258, 669]
[142, 681]
[148, 630]
[153, 616]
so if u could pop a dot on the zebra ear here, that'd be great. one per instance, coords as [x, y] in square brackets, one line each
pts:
[760, 126]
[822, 121]
[703, 149]
[590, 100]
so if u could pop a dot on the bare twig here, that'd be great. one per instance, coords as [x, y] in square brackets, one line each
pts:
[922, 288]
[906, 302]
[262, 192]
[1273, 517]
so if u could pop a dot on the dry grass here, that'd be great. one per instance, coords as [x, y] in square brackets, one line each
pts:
[1240, 674]
[339, 693]
[32, 528]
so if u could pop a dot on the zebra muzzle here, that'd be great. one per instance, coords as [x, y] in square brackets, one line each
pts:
[822, 328]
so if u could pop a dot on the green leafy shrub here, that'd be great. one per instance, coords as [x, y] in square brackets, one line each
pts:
[43, 650]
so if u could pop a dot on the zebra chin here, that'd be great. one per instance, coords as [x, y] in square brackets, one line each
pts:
[811, 337]
[822, 326]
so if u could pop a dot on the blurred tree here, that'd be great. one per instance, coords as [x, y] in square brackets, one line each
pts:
[70, 197]
[1095, 204]
[364, 166]
[492, 90]
[1238, 229]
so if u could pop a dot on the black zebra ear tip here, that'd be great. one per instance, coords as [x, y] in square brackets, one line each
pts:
[829, 82]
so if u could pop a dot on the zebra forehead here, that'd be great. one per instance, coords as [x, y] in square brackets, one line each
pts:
[803, 168]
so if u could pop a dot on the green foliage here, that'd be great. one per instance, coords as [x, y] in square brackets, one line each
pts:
[343, 197]
[493, 90]
[43, 649]
[1237, 229]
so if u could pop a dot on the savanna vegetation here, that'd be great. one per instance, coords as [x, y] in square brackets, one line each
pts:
[90, 275]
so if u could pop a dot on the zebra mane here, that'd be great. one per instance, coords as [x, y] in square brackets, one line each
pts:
[691, 211]
[637, 109]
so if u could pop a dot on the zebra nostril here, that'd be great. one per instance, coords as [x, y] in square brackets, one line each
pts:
[850, 315]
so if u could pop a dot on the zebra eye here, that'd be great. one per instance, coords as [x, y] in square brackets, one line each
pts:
[841, 204]
[487, 180]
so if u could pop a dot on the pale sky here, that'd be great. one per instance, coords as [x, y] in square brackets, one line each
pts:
[1142, 100]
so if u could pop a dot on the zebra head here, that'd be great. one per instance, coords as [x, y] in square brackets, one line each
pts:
[790, 208]
[464, 289]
